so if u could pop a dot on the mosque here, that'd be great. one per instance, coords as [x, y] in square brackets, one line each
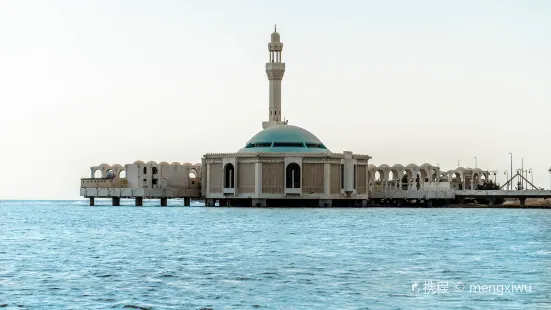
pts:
[282, 165]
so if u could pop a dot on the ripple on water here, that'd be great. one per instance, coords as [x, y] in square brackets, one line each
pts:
[63, 254]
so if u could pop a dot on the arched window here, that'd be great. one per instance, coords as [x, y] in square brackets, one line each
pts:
[292, 176]
[342, 176]
[354, 176]
[229, 176]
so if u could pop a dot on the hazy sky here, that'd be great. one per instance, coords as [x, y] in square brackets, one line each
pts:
[87, 82]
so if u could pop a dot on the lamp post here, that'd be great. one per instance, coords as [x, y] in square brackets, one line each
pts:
[550, 178]
[511, 185]
[458, 163]
[506, 173]
[475, 162]
[519, 183]
[522, 172]
[531, 177]
[495, 176]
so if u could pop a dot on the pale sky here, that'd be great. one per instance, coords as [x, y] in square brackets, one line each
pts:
[87, 82]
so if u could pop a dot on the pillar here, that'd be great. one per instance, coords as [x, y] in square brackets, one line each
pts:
[91, 201]
[399, 202]
[209, 202]
[326, 179]
[363, 203]
[325, 203]
[116, 201]
[522, 202]
[491, 201]
[139, 201]
[164, 202]
[187, 201]
[429, 203]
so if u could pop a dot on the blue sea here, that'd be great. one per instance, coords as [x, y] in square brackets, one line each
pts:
[67, 255]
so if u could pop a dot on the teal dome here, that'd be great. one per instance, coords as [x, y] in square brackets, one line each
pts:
[285, 138]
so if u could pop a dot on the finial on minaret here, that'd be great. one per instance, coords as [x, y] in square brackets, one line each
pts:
[275, 27]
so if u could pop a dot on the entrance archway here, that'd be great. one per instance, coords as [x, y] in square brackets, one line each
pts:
[229, 176]
[292, 176]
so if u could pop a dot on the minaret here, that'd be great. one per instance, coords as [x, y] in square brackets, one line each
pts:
[275, 70]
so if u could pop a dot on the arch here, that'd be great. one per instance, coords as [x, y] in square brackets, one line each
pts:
[411, 170]
[377, 175]
[456, 176]
[192, 173]
[434, 175]
[197, 168]
[98, 174]
[292, 176]
[475, 179]
[109, 174]
[139, 162]
[421, 174]
[122, 174]
[384, 169]
[229, 176]
[392, 174]
[152, 163]
[355, 176]
[163, 163]
[342, 176]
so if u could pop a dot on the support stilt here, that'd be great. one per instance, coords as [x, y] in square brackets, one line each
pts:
[522, 202]
[187, 201]
[116, 201]
[139, 201]
[164, 202]
[91, 201]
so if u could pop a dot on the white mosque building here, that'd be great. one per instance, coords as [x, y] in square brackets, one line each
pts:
[282, 165]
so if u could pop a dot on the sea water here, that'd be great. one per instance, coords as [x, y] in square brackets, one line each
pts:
[67, 255]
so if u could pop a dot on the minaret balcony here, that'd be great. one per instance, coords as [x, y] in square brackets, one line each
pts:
[275, 70]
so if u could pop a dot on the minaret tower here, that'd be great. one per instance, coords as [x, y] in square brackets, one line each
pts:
[275, 70]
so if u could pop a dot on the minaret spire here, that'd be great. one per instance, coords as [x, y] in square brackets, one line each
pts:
[275, 70]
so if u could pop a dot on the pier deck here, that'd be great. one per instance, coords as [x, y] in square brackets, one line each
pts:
[140, 193]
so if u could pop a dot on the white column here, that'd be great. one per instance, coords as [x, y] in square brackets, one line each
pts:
[327, 179]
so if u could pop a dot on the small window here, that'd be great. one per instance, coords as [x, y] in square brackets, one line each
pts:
[154, 170]
[314, 145]
[342, 176]
[145, 180]
[275, 112]
[288, 144]
[192, 182]
[261, 144]
[355, 176]
[144, 170]
[154, 181]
